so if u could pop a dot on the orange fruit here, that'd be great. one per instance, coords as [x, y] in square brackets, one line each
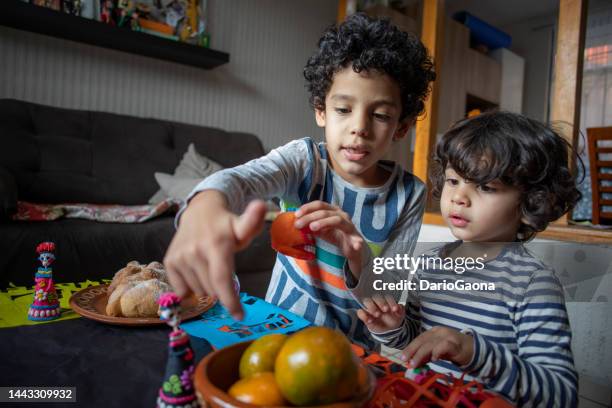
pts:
[496, 402]
[316, 366]
[288, 240]
[261, 354]
[258, 389]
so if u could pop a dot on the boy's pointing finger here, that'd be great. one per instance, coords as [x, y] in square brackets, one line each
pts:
[221, 267]
[250, 223]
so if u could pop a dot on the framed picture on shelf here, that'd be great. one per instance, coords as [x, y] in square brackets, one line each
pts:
[52, 4]
[90, 9]
[72, 7]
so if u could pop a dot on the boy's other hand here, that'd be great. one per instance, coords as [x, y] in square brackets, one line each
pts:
[334, 226]
[381, 314]
[440, 343]
[200, 258]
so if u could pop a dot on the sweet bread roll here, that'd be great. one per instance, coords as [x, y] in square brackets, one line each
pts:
[147, 273]
[156, 265]
[120, 277]
[113, 306]
[141, 299]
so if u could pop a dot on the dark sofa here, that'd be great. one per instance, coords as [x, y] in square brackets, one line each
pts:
[53, 155]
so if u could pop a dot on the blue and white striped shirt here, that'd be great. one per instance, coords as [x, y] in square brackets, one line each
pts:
[521, 331]
[388, 217]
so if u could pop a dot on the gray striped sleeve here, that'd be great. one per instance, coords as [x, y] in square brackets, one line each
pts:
[542, 373]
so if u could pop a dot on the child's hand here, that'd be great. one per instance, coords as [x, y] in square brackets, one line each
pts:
[334, 226]
[440, 343]
[381, 314]
[200, 257]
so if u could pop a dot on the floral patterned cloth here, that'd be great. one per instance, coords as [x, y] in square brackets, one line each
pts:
[27, 211]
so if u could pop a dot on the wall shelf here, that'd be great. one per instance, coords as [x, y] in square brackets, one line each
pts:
[24, 16]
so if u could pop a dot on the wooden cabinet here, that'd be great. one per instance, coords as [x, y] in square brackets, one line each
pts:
[452, 77]
[512, 80]
[483, 78]
[464, 72]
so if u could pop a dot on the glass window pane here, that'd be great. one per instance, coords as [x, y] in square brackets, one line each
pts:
[596, 101]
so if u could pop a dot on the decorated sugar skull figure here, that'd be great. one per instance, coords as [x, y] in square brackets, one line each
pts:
[170, 309]
[177, 387]
[46, 303]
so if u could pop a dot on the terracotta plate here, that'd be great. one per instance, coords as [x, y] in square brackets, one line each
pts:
[91, 303]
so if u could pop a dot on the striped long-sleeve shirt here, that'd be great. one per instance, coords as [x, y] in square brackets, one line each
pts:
[521, 330]
[388, 217]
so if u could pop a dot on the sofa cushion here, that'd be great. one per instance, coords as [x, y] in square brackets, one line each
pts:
[8, 194]
[20, 151]
[128, 151]
[62, 155]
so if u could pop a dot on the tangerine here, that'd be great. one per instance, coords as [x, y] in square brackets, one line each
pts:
[316, 366]
[258, 389]
[288, 240]
[261, 354]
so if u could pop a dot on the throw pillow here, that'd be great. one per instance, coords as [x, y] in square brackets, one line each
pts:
[158, 197]
[194, 165]
[176, 187]
[192, 169]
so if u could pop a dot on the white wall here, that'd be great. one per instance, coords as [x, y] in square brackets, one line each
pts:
[534, 40]
[260, 91]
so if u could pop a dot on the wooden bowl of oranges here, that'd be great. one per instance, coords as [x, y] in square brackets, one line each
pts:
[313, 367]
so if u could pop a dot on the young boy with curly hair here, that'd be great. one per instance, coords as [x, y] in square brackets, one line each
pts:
[500, 178]
[367, 83]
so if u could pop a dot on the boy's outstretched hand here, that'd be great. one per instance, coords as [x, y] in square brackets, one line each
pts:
[440, 343]
[200, 257]
[381, 314]
[334, 226]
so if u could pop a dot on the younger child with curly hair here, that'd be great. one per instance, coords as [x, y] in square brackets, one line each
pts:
[500, 178]
[367, 81]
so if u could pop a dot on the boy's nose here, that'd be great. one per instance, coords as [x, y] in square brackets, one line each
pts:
[359, 132]
[460, 198]
[360, 126]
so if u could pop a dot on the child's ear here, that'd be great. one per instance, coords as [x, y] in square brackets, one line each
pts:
[402, 129]
[320, 117]
[525, 221]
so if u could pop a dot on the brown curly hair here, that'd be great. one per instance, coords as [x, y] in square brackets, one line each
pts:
[371, 44]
